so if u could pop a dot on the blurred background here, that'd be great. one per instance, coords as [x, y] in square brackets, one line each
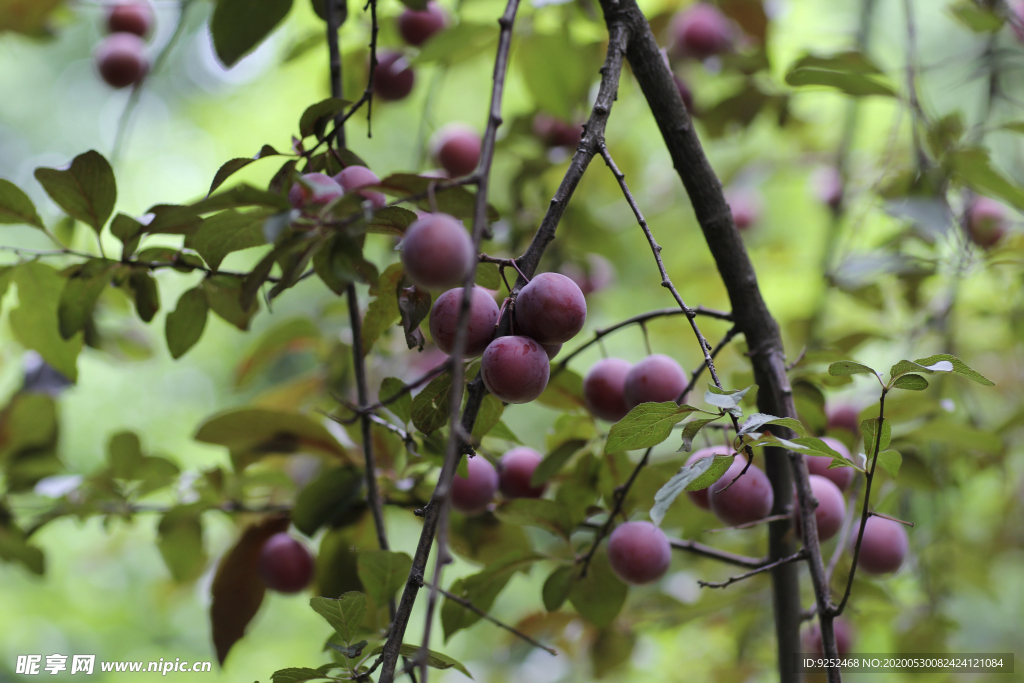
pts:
[889, 274]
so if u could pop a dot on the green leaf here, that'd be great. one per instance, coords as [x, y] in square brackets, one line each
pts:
[146, 292]
[232, 166]
[435, 659]
[265, 430]
[314, 118]
[451, 199]
[238, 26]
[849, 367]
[502, 431]
[564, 391]
[555, 460]
[170, 219]
[35, 322]
[691, 429]
[646, 425]
[481, 589]
[869, 428]
[413, 307]
[341, 262]
[729, 401]
[16, 208]
[297, 675]
[86, 190]
[344, 614]
[959, 368]
[911, 383]
[401, 407]
[180, 540]
[557, 586]
[600, 595]
[560, 91]
[542, 513]
[890, 461]
[129, 231]
[84, 285]
[850, 72]
[383, 311]
[328, 499]
[383, 573]
[693, 477]
[226, 232]
[430, 407]
[487, 417]
[975, 17]
[223, 294]
[487, 276]
[974, 168]
[186, 322]
[14, 547]
[758, 420]
[239, 196]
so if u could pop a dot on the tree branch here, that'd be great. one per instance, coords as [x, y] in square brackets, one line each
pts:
[795, 557]
[511, 629]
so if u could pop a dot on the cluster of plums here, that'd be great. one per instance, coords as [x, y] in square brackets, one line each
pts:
[121, 57]
[285, 564]
[472, 494]
[437, 253]
[314, 191]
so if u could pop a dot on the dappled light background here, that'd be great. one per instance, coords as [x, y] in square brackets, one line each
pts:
[106, 589]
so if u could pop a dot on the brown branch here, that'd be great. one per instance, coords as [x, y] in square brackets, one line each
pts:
[619, 497]
[795, 557]
[594, 132]
[511, 629]
[695, 375]
[748, 525]
[891, 519]
[636, 320]
[750, 313]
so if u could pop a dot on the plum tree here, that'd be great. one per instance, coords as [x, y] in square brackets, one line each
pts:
[457, 150]
[819, 465]
[515, 369]
[515, 470]
[437, 251]
[844, 416]
[639, 552]
[604, 388]
[656, 378]
[884, 546]
[121, 60]
[749, 499]
[353, 178]
[393, 78]
[474, 493]
[745, 204]
[314, 191]
[551, 309]
[285, 564]
[444, 319]
[701, 31]
[130, 17]
[811, 638]
[555, 132]
[700, 498]
[986, 222]
[417, 27]
[830, 511]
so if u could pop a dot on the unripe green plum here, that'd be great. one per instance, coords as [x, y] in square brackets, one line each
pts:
[639, 552]
[472, 495]
[515, 369]
[437, 252]
[444, 320]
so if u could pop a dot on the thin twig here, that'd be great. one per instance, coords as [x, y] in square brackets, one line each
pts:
[795, 557]
[695, 375]
[618, 498]
[892, 519]
[748, 525]
[511, 629]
